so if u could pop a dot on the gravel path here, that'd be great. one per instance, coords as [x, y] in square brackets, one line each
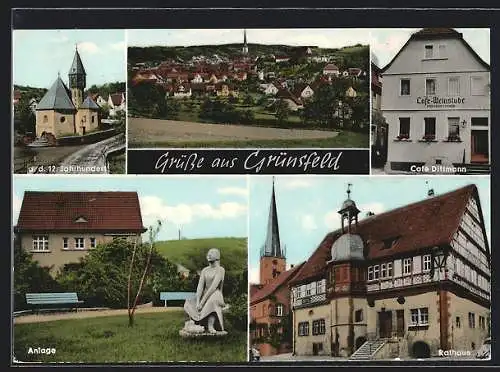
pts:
[82, 314]
[142, 130]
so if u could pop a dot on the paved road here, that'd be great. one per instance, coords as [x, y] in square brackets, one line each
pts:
[91, 158]
[142, 130]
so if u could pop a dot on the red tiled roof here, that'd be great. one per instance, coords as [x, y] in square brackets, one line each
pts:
[116, 98]
[286, 94]
[427, 223]
[254, 288]
[57, 211]
[273, 285]
[331, 67]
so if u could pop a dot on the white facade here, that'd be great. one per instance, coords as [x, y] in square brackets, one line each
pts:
[436, 101]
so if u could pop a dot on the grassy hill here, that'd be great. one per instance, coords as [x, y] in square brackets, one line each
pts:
[192, 253]
[157, 54]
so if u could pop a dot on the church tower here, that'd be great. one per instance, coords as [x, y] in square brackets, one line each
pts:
[272, 256]
[77, 79]
[245, 46]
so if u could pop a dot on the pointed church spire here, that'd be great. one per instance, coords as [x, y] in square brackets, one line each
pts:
[272, 246]
[245, 46]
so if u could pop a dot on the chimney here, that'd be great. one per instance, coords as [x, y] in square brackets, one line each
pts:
[369, 214]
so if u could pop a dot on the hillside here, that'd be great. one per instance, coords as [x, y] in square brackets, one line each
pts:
[192, 253]
[157, 54]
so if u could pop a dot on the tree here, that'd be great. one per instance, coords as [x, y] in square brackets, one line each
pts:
[248, 116]
[282, 110]
[29, 276]
[131, 307]
[24, 117]
[248, 100]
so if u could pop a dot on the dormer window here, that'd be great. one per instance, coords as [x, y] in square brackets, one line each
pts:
[81, 219]
[389, 242]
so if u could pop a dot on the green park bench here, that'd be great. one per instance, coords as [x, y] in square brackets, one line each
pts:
[171, 296]
[53, 300]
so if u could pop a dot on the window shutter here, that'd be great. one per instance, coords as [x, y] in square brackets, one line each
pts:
[417, 264]
[397, 268]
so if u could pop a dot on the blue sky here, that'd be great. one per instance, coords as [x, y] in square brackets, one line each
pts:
[38, 55]
[201, 206]
[325, 38]
[307, 206]
[386, 43]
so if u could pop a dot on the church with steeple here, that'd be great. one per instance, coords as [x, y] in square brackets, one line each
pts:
[270, 299]
[245, 45]
[63, 110]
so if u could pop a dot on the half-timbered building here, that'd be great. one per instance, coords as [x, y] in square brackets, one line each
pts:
[410, 282]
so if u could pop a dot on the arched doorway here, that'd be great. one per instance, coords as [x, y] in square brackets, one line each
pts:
[420, 349]
[360, 341]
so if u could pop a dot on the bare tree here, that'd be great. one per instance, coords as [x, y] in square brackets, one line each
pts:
[153, 233]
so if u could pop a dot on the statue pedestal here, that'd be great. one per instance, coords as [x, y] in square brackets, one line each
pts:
[194, 330]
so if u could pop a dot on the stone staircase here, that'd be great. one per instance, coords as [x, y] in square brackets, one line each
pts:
[368, 350]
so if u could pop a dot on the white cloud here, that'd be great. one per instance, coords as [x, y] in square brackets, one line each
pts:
[254, 275]
[60, 39]
[89, 47]
[297, 183]
[153, 208]
[332, 220]
[308, 222]
[240, 191]
[16, 208]
[120, 45]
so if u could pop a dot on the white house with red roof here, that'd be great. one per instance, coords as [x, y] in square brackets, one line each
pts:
[61, 227]
[117, 103]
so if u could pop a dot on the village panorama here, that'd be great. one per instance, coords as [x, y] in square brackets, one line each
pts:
[248, 95]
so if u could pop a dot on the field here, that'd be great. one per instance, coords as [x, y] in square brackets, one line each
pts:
[233, 252]
[154, 338]
[168, 133]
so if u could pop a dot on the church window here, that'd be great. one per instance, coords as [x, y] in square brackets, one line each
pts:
[457, 322]
[472, 320]
[93, 119]
[63, 119]
[45, 119]
[358, 315]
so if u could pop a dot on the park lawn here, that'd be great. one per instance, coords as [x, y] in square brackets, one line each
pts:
[233, 251]
[344, 139]
[154, 338]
